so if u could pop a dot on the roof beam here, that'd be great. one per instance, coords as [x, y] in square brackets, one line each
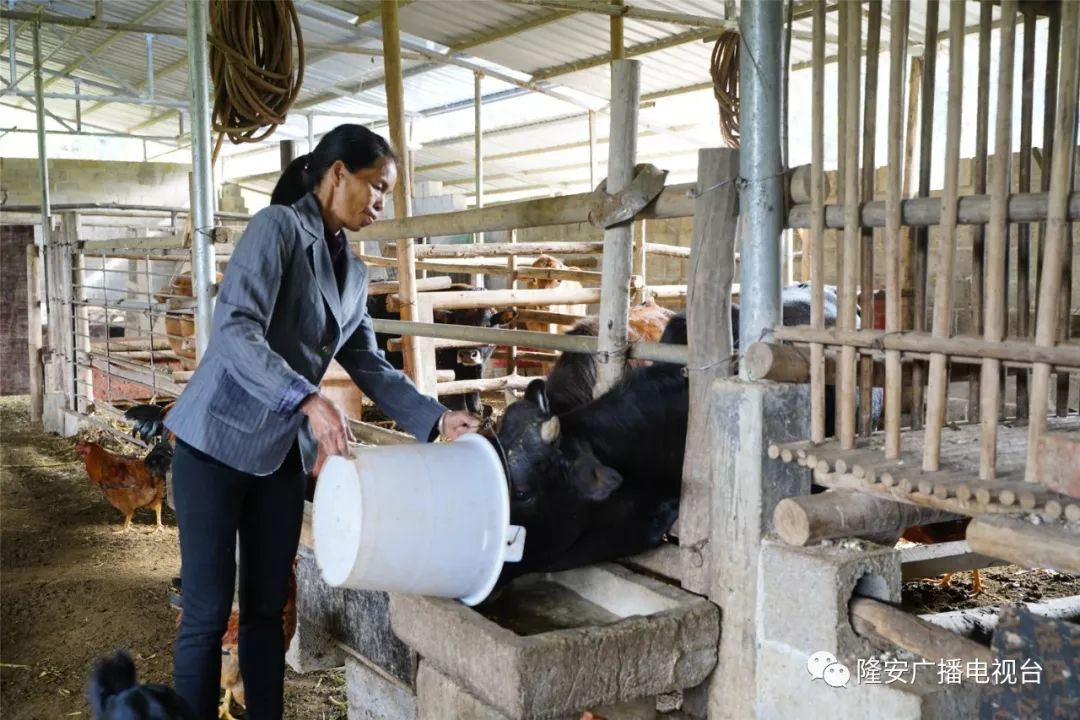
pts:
[51, 19]
[338, 90]
[165, 71]
[107, 43]
[628, 11]
[640, 49]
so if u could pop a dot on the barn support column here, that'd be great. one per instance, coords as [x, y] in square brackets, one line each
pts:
[51, 372]
[761, 201]
[619, 239]
[406, 250]
[745, 419]
[202, 191]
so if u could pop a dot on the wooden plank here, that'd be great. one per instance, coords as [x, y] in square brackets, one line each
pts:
[710, 340]
[1019, 541]
[1057, 462]
[33, 328]
[926, 561]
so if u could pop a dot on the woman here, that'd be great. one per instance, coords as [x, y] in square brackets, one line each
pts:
[293, 298]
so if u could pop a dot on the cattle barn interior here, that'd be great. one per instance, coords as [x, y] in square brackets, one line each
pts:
[863, 213]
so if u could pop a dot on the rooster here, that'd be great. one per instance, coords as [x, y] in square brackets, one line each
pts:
[148, 422]
[944, 532]
[128, 483]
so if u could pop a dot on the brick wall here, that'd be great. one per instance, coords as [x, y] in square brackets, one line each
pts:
[14, 359]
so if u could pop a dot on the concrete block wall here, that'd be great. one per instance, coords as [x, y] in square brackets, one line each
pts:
[89, 181]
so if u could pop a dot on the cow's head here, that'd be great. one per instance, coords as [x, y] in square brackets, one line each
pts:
[553, 478]
[476, 317]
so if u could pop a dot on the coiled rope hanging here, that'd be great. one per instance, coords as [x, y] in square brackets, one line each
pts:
[725, 76]
[255, 77]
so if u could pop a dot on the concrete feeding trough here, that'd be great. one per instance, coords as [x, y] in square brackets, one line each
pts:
[552, 644]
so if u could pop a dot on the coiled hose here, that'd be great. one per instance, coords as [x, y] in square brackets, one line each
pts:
[725, 76]
[252, 67]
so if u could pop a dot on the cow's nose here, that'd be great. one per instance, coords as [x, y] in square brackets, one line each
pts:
[470, 358]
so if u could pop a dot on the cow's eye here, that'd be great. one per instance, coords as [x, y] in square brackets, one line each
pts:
[521, 495]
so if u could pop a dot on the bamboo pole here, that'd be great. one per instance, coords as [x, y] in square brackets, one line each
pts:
[841, 127]
[1061, 171]
[996, 245]
[922, 235]
[618, 241]
[395, 108]
[890, 627]
[973, 209]
[982, 138]
[869, 170]
[893, 382]
[1023, 230]
[676, 201]
[1017, 350]
[817, 231]
[640, 262]
[914, 80]
[1053, 58]
[846, 320]
[512, 280]
[937, 393]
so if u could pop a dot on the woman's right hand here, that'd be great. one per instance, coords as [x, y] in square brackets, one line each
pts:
[328, 423]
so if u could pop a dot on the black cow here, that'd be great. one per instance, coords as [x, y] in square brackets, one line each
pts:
[601, 481]
[467, 363]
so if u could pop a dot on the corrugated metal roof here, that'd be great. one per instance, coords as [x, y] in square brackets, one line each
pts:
[445, 145]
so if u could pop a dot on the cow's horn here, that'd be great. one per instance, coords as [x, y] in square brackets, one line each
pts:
[549, 431]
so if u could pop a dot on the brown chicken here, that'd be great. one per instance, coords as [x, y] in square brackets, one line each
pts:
[128, 483]
[944, 532]
[231, 681]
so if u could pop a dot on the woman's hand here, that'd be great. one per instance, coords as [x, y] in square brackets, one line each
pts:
[455, 423]
[328, 423]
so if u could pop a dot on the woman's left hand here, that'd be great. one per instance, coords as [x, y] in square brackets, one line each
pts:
[456, 423]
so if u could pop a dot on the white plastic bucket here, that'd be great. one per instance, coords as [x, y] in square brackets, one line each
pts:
[426, 519]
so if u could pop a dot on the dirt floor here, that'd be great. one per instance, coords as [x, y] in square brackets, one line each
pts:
[71, 590]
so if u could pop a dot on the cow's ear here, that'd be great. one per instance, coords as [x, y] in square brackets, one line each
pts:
[595, 481]
[537, 395]
[504, 317]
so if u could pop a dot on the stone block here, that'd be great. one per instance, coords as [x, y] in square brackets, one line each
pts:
[358, 619]
[1057, 464]
[806, 591]
[374, 696]
[440, 698]
[786, 690]
[312, 649]
[610, 637]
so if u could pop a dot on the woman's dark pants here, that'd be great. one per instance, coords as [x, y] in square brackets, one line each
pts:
[214, 503]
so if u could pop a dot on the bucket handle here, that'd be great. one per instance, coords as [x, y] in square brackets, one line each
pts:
[514, 545]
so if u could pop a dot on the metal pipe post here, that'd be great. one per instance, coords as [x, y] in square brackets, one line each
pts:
[202, 191]
[761, 199]
[150, 65]
[43, 158]
[592, 150]
[13, 65]
[478, 151]
[310, 133]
